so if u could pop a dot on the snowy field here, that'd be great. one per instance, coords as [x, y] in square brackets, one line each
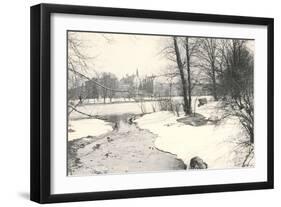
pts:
[215, 144]
[113, 100]
[82, 126]
[109, 109]
[121, 108]
[120, 100]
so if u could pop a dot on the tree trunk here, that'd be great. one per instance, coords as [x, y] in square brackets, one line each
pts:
[104, 95]
[214, 89]
[252, 138]
[189, 111]
[183, 81]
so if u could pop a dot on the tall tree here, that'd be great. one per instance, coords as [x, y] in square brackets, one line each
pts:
[182, 76]
[114, 84]
[191, 46]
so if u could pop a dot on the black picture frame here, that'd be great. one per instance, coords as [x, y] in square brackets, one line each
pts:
[41, 102]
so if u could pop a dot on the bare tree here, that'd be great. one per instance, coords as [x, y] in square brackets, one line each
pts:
[172, 78]
[113, 83]
[191, 46]
[208, 56]
[238, 83]
[182, 76]
[79, 68]
[77, 63]
[181, 52]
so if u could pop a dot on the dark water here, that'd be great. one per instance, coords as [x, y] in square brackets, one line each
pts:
[121, 120]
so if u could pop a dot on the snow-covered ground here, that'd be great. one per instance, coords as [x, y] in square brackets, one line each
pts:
[121, 108]
[87, 127]
[109, 109]
[118, 100]
[113, 100]
[214, 144]
[124, 151]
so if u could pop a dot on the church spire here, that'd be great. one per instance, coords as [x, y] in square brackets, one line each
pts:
[137, 72]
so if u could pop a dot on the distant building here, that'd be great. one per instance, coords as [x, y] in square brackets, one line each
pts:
[137, 84]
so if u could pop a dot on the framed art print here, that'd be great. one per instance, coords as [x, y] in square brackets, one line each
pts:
[132, 103]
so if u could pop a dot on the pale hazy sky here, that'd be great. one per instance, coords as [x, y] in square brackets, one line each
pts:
[123, 54]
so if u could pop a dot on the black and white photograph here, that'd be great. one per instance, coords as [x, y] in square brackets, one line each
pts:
[144, 103]
[131, 103]
[140, 103]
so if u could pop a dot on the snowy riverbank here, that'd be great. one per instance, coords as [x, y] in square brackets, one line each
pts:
[129, 150]
[215, 144]
[87, 127]
[158, 141]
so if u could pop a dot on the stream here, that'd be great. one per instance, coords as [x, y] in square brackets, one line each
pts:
[126, 149]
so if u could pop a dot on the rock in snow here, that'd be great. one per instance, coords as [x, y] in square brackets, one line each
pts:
[197, 163]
